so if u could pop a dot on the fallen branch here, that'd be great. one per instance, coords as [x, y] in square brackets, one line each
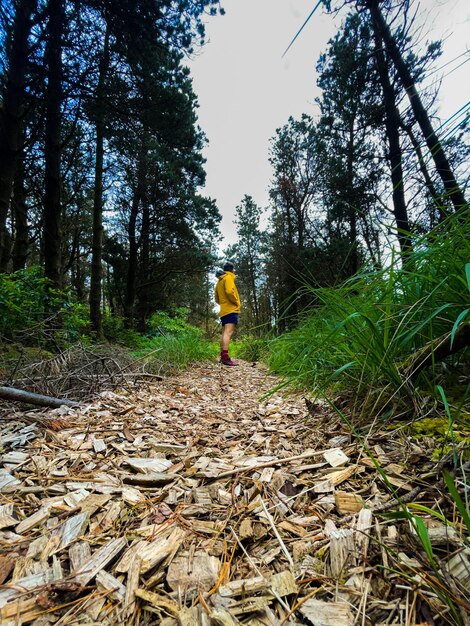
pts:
[438, 350]
[288, 459]
[19, 395]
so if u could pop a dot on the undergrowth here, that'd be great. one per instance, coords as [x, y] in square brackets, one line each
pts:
[250, 349]
[170, 353]
[365, 339]
[173, 344]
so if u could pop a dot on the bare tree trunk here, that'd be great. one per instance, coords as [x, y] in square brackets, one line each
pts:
[442, 164]
[438, 201]
[11, 111]
[392, 125]
[20, 221]
[144, 269]
[97, 243]
[129, 299]
[53, 147]
[254, 294]
[352, 209]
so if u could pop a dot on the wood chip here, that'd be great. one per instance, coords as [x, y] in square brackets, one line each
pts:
[198, 571]
[247, 510]
[327, 613]
[246, 586]
[132, 586]
[37, 519]
[283, 584]
[158, 601]
[148, 466]
[348, 502]
[335, 457]
[99, 560]
[151, 479]
[6, 516]
[114, 588]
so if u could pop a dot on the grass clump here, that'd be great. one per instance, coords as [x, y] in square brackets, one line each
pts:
[169, 354]
[173, 344]
[250, 349]
[363, 337]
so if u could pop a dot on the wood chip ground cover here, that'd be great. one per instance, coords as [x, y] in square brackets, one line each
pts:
[193, 501]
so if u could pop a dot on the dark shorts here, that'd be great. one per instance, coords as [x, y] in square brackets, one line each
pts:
[231, 318]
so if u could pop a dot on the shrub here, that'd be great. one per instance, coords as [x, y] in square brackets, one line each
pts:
[163, 323]
[115, 332]
[34, 314]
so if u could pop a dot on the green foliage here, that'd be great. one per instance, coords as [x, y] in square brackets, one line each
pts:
[22, 299]
[362, 338]
[26, 304]
[175, 351]
[172, 342]
[115, 332]
[163, 323]
[250, 349]
[462, 508]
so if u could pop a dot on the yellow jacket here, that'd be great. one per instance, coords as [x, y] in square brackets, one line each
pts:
[226, 294]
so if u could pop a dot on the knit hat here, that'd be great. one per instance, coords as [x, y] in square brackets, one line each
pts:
[219, 272]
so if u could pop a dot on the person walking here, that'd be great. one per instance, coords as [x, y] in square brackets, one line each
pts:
[226, 296]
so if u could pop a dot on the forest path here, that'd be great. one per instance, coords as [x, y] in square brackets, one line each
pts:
[168, 502]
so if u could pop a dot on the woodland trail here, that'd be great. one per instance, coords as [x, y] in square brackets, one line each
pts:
[193, 501]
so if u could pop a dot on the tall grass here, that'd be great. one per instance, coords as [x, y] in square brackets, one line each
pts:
[362, 336]
[170, 353]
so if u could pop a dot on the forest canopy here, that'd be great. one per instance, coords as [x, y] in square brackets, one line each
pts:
[101, 153]
[102, 167]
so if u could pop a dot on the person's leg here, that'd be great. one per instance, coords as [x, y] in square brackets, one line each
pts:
[227, 332]
[229, 323]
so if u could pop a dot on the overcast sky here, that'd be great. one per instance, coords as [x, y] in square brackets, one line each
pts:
[246, 89]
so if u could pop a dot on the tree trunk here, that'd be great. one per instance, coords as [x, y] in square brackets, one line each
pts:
[20, 221]
[442, 164]
[392, 125]
[254, 295]
[110, 294]
[352, 209]
[144, 269]
[438, 201]
[53, 148]
[129, 299]
[11, 111]
[97, 242]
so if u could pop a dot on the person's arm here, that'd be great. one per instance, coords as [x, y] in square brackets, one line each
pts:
[231, 291]
[216, 296]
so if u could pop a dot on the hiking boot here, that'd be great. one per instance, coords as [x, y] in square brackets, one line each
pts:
[228, 361]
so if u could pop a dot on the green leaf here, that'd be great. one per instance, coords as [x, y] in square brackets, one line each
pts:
[396, 515]
[423, 535]
[450, 420]
[467, 272]
[342, 368]
[428, 511]
[449, 481]
[456, 325]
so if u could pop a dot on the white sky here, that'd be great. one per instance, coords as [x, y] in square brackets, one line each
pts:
[246, 90]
